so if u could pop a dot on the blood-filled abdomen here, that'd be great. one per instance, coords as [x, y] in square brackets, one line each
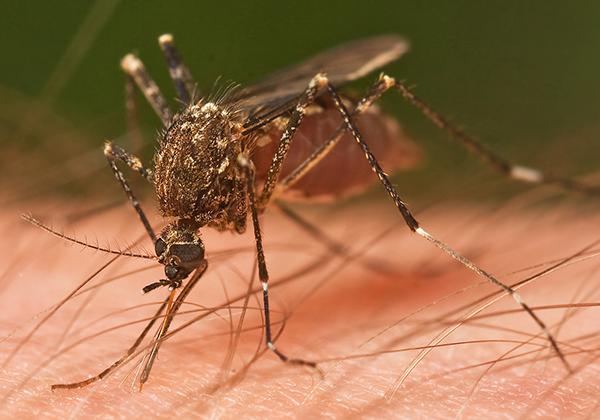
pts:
[344, 171]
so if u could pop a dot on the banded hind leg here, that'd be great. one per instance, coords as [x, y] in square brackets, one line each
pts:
[415, 227]
[494, 160]
[385, 83]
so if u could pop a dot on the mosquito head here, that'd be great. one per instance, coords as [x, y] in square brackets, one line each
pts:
[180, 249]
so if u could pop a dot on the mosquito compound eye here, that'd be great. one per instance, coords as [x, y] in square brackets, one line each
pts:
[188, 252]
[171, 271]
[160, 247]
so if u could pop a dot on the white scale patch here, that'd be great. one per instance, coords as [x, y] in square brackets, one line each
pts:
[224, 165]
[526, 174]
[209, 107]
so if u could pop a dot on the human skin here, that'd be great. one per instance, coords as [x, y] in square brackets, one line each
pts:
[352, 303]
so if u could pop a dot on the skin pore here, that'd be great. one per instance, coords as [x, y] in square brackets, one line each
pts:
[363, 314]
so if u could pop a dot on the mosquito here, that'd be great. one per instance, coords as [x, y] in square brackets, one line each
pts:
[223, 159]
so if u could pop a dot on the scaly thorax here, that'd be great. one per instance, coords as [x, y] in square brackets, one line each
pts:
[196, 176]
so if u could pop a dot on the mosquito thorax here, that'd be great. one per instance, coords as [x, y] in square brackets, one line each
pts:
[195, 169]
[180, 249]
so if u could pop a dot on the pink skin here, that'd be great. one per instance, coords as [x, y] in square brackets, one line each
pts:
[349, 304]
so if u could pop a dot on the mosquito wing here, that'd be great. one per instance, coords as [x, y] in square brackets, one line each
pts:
[277, 93]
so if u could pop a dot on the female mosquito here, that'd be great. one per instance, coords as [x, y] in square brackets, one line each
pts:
[224, 158]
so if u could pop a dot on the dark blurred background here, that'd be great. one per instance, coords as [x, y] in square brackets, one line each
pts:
[520, 76]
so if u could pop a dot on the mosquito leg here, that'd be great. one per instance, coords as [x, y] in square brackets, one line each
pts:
[517, 172]
[119, 362]
[173, 307]
[305, 100]
[114, 153]
[182, 78]
[414, 226]
[263, 273]
[382, 85]
[494, 160]
[133, 127]
[135, 69]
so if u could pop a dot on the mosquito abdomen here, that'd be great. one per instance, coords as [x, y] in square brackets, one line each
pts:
[344, 172]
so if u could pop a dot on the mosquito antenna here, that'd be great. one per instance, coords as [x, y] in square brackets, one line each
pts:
[84, 243]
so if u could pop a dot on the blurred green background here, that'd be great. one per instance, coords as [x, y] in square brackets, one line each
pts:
[520, 76]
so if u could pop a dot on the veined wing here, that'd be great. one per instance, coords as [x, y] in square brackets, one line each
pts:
[277, 93]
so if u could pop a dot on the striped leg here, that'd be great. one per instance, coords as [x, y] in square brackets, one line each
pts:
[133, 127]
[384, 84]
[263, 273]
[307, 98]
[182, 78]
[414, 226]
[114, 153]
[494, 160]
[135, 69]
